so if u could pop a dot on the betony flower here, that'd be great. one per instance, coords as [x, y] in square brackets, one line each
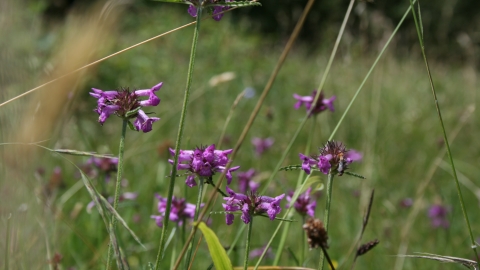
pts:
[245, 181]
[333, 158]
[304, 204]
[261, 145]
[321, 105]
[180, 210]
[203, 162]
[250, 206]
[438, 216]
[124, 101]
[216, 11]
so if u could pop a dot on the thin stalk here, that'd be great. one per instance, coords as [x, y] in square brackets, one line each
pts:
[197, 210]
[447, 145]
[304, 243]
[179, 138]
[301, 175]
[326, 217]
[247, 245]
[7, 242]
[328, 258]
[113, 223]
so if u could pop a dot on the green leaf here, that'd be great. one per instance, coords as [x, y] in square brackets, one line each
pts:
[130, 125]
[235, 4]
[217, 252]
[174, 1]
[315, 182]
[132, 112]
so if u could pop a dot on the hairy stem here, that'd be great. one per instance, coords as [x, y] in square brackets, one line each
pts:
[326, 217]
[247, 245]
[197, 210]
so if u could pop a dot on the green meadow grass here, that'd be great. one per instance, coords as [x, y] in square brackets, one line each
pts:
[393, 123]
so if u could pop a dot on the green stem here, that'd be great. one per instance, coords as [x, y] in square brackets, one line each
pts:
[326, 217]
[304, 243]
[247, 245]
[179, 139]
[113, 223]
[450, 157]
[197, 210]
[7, 243]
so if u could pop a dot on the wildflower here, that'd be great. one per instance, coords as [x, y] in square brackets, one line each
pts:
[179, 212]
[438, 216]
[261, 145]
[250, 206]
[321, 105]
[204, 162]
[304, 204]
[104, 165]
[255, 253]
[316, 233]
[124, 101]
[406, 203]
[216, 11]
[245, 181]
[333, 158]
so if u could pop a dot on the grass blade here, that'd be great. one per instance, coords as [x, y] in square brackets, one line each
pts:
[218, 253]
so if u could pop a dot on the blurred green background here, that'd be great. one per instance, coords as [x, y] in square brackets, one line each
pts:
[393, 123]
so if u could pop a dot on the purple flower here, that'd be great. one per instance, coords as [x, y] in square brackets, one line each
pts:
[245, 181]
[321, 105]
[123, 101]
[250, 206]
[261, 145]
[179, 212]
[105, 165]
[333, 158]
[438, 216]
[216, 11]
[204, 162]
[406, 203]
[304, 204]
[254, 253]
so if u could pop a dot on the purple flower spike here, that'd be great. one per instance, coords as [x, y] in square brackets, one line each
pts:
[192, 10]
[143, 122]
[245, 181]
[321, 105]
[180, 211]
[203, 162]
[261, 145]
[438, 216]
[152, 100]
[333, 158]
[250, 205]
[304, 204]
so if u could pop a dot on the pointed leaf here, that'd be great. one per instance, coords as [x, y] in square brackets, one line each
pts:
[315, 182]
[355, 175]
[235, 4]
[174, 1]
[130, 125]
[132, 112]
[80, 153]
[217, 252]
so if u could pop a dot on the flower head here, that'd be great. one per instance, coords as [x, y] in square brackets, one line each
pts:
[245, 181]
[304, 204]
[123, 101]
[438, 216]
[333, 158]
[316, 233]
[216, 11]
[204, 162]
[261, 145]
[179, 212]
[250, 206]
[321, 105]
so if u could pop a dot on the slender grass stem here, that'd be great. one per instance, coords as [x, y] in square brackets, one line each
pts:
[247, 245]
[328, 258]
[197, 210]
[113, 223]
[418, 26]
[326, 217]
[7, 243]
[179, 138]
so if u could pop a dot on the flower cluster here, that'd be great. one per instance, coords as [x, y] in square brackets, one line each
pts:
[333, 158]
[321, 105]
[124, 101]
[261, 145]
[204, 162]
[215, 10]
[179, 212]
[304, 204]
[250, 205]
[438, 216]
[245, 181]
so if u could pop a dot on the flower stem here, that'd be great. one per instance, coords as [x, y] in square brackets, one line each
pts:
[326, 217]
[197, 210]
[247, 245]
[179, 139]
[113, 223]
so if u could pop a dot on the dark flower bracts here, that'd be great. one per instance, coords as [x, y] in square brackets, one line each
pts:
[250, 205]
[333, 158]
[203, 162]
[127, 105]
